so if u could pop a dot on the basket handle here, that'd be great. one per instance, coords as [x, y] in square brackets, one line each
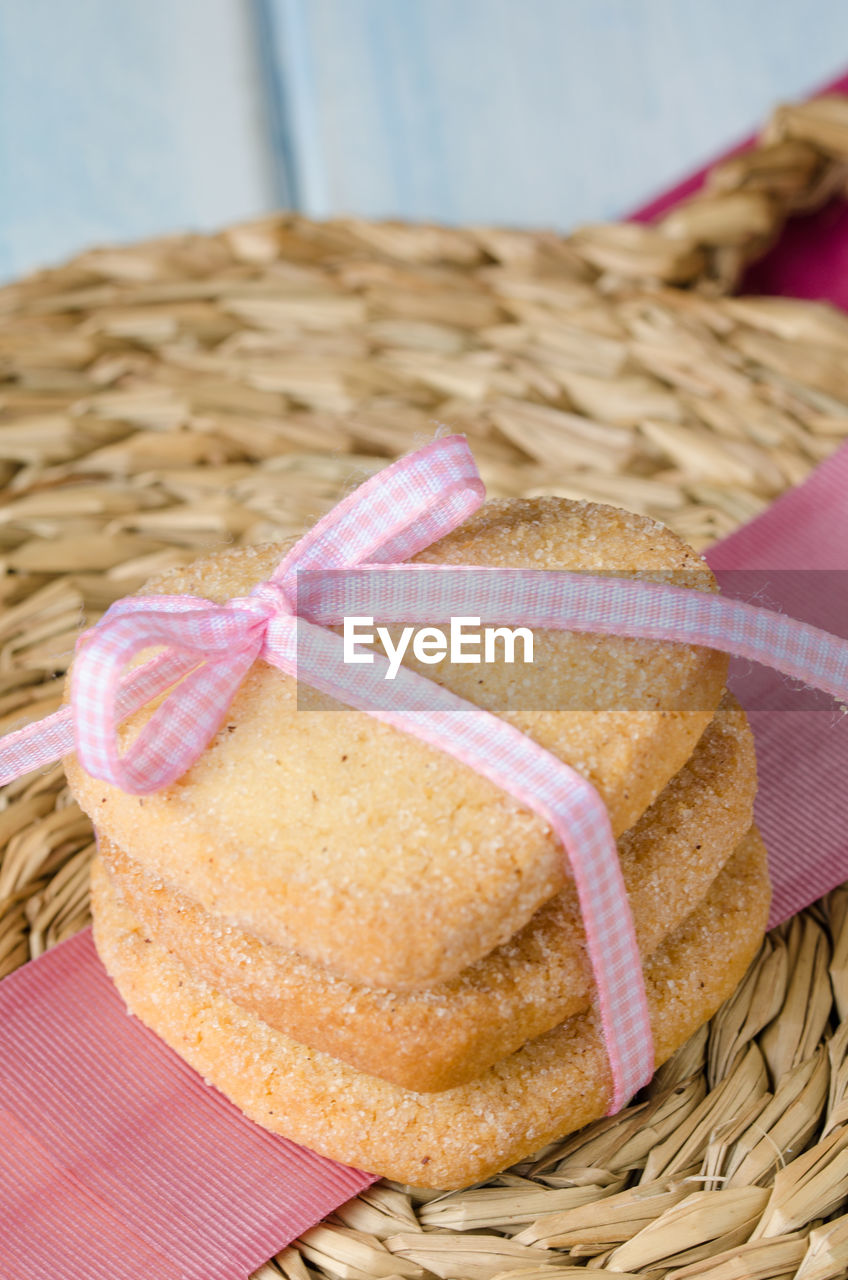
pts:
[799, 163]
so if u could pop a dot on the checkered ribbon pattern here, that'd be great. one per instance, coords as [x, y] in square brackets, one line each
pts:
[204, 650]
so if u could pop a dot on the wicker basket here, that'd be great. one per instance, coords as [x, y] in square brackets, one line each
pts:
[165, 398]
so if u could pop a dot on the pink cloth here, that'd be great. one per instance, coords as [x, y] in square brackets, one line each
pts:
[116, 1161]
[802, 755]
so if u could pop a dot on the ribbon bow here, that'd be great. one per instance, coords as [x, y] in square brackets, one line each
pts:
[205, 650]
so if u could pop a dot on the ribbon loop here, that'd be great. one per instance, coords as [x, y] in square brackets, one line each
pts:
[401, 510]
[207, 651]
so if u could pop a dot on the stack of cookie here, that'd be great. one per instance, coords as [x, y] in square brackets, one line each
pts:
[373, 950]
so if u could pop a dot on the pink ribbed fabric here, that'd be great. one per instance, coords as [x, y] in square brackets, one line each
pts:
[116, 1161]
[802, 756]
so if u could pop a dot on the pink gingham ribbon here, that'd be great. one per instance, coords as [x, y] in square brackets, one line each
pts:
[205, 651]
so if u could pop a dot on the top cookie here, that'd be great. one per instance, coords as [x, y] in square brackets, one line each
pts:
[336, 836]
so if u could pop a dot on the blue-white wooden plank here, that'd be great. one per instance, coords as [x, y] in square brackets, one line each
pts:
[125, 118]
[534, 112]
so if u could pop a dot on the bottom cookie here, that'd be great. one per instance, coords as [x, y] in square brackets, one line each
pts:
[551, 1086]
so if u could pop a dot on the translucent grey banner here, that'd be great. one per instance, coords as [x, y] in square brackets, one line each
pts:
[518, 641]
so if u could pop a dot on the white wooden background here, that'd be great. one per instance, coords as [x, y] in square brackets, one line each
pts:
[532, 111]
[122, 118]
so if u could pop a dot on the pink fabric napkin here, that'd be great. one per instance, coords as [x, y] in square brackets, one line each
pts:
[802, 751]
[119, 1162]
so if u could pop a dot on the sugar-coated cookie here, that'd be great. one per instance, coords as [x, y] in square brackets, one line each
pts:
[386, 860]
[447, 1035]
[553, 1085]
